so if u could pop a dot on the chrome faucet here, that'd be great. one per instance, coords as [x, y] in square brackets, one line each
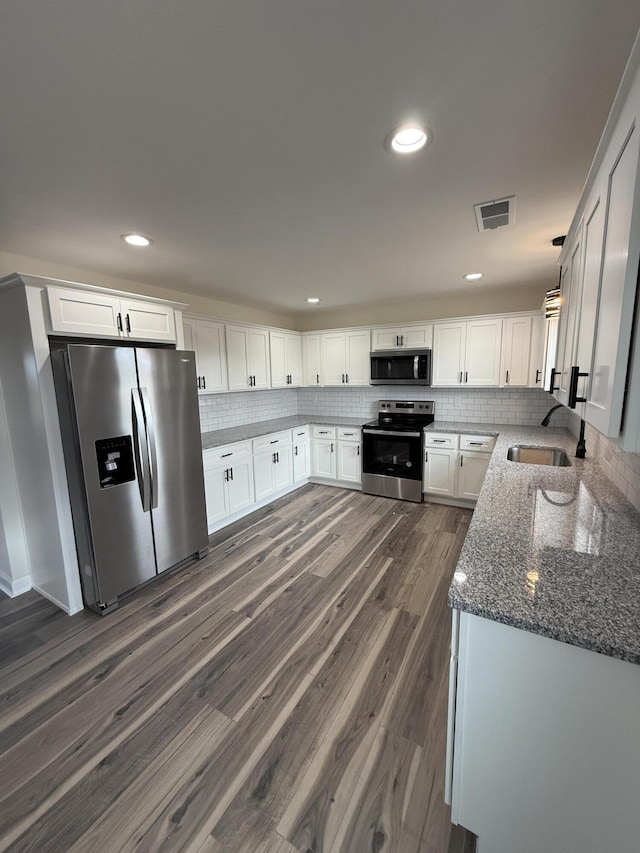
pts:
[547, 417]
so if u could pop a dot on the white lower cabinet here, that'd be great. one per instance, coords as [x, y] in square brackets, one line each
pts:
[455, 465]
[543, 752]
[337, 454]
[324, 456]
[349, 455]
[301, 454]
[228, 481]
[272, 463]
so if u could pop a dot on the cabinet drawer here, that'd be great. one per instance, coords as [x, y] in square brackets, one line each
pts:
[349, 433]
[274, 439]
[216, 456]
[300, 433]
[477, 442]
[447, 441]
[324, 432]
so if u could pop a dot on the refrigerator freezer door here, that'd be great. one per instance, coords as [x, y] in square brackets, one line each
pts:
[104, 384]
[169, 392]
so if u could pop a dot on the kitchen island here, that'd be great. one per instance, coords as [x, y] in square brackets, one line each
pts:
[544, 711]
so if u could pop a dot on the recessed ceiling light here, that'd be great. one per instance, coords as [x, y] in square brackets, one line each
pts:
[137, 240]
[472, 276]
[313, 299]
[407, 139]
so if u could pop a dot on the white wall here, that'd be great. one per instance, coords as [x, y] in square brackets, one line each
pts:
[526, 406]
[464, 303]
[208, 307]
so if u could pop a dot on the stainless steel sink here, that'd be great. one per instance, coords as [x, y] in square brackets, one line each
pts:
[538, 456]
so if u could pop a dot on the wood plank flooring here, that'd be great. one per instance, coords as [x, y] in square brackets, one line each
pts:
[285, 694]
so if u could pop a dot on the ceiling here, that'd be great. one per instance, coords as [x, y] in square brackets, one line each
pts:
[246, 138]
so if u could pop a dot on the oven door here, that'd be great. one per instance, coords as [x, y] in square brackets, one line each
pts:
[392, 464]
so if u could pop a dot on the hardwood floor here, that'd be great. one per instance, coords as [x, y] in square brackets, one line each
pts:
[287, 693]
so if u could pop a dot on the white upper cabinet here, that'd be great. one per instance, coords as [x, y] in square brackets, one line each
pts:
[89, 313]
[467, 353]
[537, 357]
[286, 359]
[206, 338]
[345, 358]
[599, 281]
[311, 359]
[516, 351]
[409, 337]
[248, 358]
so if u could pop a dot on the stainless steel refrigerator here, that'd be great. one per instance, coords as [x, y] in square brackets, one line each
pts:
[131, 437]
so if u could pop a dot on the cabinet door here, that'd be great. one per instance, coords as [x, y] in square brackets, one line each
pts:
[516, 351]
[81, 312]
[416, 336]
[536, 360]
[215, 495]
[283, 469]
[293, 359]
[211, 359]
[385, 339]
[237, 358]
[324, 458]
[312, 360]
[571, 295]
[333, 358]
[240, 486]
[448, 353]
[358, 364]
[263, 464]
[278, 360]
[440, 472]
[258, 349]
[147, 321]
[472, 468]
[605, 400]
[301, 460]
[482, 353]
[349, 461]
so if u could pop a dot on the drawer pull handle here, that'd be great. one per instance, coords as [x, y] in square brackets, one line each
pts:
[477, 443]
[275, 441]
[224, 455]
[440, 440]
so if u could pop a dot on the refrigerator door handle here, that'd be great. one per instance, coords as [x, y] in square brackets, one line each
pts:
[153, 454]
[141, 450]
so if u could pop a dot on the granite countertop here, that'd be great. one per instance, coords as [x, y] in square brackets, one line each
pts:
[554, 551]
[218, 437]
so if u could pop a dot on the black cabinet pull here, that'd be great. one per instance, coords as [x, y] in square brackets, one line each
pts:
[538, 375]
[295, 451]
[552, 380]
[347, 375]
[466, 376]
[506, 378]
[128, 322]
[198, 380]
[204, 383]
[226, 475]
[461, 459]
[278, 457]
[231, 472]
[460, 380]
[332, 447]
[397, 340]
[573, 387]
[343, 378]
[226, 454]
[358, 450]
[119, 322]
[317, 378]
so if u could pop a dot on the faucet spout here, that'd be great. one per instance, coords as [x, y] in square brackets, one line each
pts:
[547, 417]
[581, 447]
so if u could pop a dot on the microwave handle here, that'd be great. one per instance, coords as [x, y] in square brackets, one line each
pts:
[416, 359]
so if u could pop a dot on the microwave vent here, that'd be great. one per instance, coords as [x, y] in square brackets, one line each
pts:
[495, 214]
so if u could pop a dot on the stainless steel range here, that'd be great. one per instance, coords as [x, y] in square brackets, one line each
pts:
[392, 449]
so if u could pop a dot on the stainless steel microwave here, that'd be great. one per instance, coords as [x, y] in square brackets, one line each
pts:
[401, 367]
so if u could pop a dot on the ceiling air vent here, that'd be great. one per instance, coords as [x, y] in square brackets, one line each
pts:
[495, 214]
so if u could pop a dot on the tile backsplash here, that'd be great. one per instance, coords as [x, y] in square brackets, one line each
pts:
[525, 406]
[623, 469]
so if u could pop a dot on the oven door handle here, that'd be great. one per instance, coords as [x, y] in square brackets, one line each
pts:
[395, 433]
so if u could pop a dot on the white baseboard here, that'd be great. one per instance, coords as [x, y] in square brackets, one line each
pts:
[13, 588]
[224, 522]
[55, 601]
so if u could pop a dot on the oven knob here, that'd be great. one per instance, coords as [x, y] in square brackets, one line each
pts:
[408, 464]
